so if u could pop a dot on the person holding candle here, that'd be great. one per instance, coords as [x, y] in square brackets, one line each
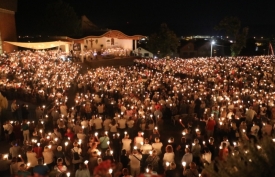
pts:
[97, 124]
[31, 157]
[103, 140]
[138, 140]
[59, 154]
[14, 149]
[48, 157]
[56, 134]
[113, 127]
[169, 155]
[82, 171]
[192, 171]
[187, 157]
[70, 135]
[121, 124]
[38, 149]
[130, 127]
[40, 169]
[4, 165]
[135, 162]
[126, 143]
[153, 161]
[59, 167]
[23, 171]
[76, 156]
[210, 126]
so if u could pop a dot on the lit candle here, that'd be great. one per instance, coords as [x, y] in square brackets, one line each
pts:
[183, 164]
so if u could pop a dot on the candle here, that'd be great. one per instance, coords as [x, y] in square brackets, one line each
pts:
[98, 153]
[183, 164]
[68, 174]
[86, 162]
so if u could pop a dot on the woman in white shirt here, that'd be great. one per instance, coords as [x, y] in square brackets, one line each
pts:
[59, 166]
[48, 157]
[157, 145]
[126, 143]
[139, 140]
[113, 126]
[169, 155]
[31, 157]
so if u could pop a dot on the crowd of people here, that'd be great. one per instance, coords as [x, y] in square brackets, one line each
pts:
[168, 117]
[39, 76]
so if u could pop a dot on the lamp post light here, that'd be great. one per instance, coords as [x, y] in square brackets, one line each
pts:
[212, 43]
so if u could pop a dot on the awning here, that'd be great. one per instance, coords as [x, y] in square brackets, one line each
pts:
[38, 45]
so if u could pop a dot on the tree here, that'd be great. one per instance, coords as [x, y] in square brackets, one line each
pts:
[61, 19]
[249, 159]
[163, 43]
[232, 27]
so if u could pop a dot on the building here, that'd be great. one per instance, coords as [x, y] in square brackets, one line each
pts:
[7, 24]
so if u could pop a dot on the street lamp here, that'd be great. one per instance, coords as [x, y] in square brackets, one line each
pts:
[212, 43]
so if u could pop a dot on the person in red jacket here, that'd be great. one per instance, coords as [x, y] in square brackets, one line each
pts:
[223, 153]
[210, 125]
[70, 135]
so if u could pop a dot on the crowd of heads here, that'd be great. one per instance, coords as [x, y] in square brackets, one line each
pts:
[122, 113]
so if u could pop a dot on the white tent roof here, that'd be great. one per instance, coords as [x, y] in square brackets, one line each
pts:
[38, 45]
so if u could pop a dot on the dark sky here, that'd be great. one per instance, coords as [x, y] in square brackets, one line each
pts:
[145, 16]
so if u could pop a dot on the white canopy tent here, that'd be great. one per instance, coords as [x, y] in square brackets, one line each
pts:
[41, 45]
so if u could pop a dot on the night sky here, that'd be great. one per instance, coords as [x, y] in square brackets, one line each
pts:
[144, 17]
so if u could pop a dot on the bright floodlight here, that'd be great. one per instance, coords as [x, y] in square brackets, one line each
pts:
[213, 42]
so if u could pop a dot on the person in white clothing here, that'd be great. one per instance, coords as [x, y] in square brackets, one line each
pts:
[169, 155]
[48, 157]
[126, 143]
[146, 147]
[31, 157]
[157, 146]
[121, 124]
[106, 124]
[63, 110]
[97, 123]
[206, 157]
[138, 140]
[135, 159]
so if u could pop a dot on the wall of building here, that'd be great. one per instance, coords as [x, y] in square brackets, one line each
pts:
[95, 43]
[7, 29]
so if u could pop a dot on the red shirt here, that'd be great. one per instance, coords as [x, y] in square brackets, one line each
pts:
[223, 154]
[38, 151]
[70, 135]
[210, 125]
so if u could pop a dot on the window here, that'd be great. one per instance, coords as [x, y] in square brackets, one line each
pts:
[1, 51]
